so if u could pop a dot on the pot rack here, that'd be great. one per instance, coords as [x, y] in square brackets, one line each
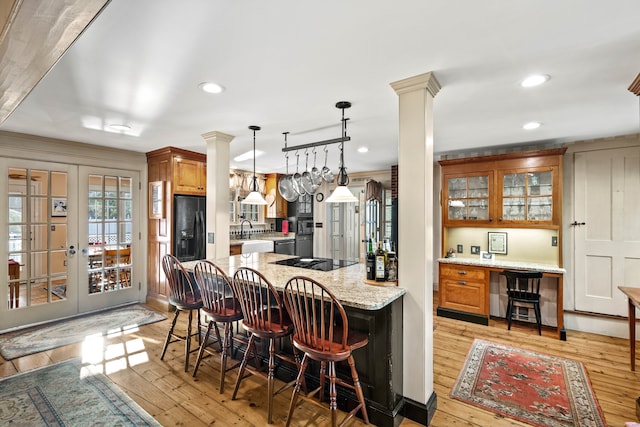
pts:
[341, 105]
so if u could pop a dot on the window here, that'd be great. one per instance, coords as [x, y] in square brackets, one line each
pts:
[238, 211]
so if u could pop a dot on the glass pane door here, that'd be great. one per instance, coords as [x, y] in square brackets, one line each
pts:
[108, 239]
[41, 275]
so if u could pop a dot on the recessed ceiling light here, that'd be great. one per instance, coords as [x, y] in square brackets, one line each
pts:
[363, 150]
[119, 127]
[531, 125]
[210, 87]
[534, 80]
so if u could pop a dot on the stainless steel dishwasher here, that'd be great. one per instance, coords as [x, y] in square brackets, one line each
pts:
[287, 247]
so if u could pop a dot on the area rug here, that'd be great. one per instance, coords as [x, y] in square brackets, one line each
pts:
[52, 335]
[539, 389]
[67, 394]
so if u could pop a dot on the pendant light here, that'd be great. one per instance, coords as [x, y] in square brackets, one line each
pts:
[342, 194]
[254, 198]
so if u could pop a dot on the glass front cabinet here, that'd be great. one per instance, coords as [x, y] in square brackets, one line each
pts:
[467, 198]
[509, 190]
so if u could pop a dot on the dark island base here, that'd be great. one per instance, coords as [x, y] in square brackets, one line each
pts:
[464, 316]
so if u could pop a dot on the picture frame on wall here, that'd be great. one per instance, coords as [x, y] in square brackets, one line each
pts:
[156, 200]
[59, 206]
[497, 242]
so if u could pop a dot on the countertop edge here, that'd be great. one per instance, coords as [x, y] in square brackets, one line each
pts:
[547, 268]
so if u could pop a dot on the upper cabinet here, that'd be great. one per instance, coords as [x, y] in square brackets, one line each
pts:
[189, 176]
[510, 190]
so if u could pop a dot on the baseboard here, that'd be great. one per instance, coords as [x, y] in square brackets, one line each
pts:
[464, 316]
[419, 412]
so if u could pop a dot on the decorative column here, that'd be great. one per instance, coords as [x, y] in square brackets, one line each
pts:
[415, 236]
[217, 193]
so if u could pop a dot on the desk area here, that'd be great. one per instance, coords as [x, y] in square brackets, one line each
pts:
[465, 286]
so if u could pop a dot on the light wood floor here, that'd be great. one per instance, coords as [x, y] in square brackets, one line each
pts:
[173, 397]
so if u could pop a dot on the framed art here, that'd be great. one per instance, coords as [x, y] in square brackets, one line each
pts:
[497, 243]
[156, 200]
[59, 206]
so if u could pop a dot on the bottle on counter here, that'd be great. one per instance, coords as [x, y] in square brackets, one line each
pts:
[371, 261]
[393, 268]
[380, 264]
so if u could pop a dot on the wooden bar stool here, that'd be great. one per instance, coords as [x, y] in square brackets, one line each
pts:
[321, 331]
[185, 297]
[264, 317]
[220, 306]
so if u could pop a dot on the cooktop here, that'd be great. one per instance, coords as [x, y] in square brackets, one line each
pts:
[322, 264]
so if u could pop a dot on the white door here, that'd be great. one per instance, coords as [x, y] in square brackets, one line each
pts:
[39, 204]
[110, 238]
[607, 245]
[344, 230]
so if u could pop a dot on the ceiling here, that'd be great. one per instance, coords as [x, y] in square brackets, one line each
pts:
[285, 63]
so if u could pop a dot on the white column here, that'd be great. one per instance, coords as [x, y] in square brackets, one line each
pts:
[218, 193]
[415, 230]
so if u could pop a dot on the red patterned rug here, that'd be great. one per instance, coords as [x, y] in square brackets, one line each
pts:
[539, 389]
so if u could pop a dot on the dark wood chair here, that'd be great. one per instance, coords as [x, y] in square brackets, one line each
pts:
[523, 287]
[321, 331]
[264, 317]
[220, 306]
[184, 296]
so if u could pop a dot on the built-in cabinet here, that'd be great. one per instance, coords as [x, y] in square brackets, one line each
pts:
[276, 204]
[180, 172]
[511, 190]
[515, 190]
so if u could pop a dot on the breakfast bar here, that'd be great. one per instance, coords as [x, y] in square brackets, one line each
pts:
[375, 310]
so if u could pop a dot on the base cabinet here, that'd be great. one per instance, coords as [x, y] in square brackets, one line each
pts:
[463, 289]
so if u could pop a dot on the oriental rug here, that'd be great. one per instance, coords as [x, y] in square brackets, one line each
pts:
[67, 394]
[535, 388]
[57, 334]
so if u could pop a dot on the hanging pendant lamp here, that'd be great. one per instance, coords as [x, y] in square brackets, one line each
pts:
[254, 198]
[342, 194]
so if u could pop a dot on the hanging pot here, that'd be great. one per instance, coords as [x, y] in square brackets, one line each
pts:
[316, 177]
[296, 179]
[306, 181]
[285, 186]
[326, 173]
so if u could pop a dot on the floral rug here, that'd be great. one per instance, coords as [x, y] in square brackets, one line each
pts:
[535, 388]
[67, 394]
[57, 334]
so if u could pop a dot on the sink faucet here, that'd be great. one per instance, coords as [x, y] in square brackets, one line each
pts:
[242, 225]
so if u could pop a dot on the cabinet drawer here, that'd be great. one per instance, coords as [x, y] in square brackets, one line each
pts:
[463, 295]
[455, 272]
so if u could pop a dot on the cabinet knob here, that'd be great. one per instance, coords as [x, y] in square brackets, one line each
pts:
[461, 282]
[490, 219]
[462, 272]
[499, 219]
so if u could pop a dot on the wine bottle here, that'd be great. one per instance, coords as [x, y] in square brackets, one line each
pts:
[371, 261]
[380, 263]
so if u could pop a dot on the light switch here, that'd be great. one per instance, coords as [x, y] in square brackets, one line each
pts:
[209, 237]
[554, 240]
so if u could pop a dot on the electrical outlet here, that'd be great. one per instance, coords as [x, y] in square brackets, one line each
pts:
[459, 249]
[209, 237]
[554, 240]
[475, 250]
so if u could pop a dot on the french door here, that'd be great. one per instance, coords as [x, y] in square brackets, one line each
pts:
[72, 236]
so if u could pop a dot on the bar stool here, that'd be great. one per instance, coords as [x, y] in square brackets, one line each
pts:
[185, 297]
[321, 331]
[264, 317]
[220, 306]
[523, 287]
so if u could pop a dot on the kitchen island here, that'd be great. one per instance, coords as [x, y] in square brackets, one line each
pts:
[375, 310]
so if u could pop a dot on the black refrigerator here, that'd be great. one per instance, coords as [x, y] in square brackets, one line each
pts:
[189, 227]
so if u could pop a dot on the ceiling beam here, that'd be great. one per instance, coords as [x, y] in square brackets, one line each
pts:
[35, 34]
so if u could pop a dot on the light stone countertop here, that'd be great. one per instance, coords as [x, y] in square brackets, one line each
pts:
[346, 283]
[547, 268]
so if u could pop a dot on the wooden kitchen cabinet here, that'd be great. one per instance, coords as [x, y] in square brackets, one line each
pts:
[463, 288]
[510, 190]
[181, 172]
[276, 204]
[189, 176]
